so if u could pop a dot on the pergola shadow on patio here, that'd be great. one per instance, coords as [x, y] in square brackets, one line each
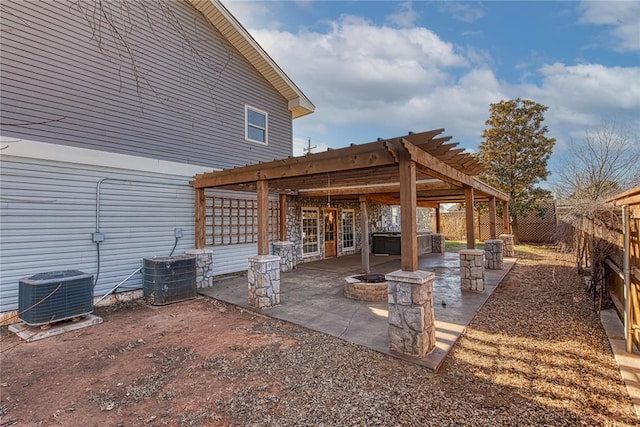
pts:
[312, 296]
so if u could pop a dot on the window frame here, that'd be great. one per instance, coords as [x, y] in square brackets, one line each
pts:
[352, 212]
[248, 108]
[302, 231]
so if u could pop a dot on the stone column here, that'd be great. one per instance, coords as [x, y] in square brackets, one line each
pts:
[493, 254]
[437, 243]
[472, 270]
[287, 252]
[412, 330]
[263, 279]
[508, 249]
[204, 266]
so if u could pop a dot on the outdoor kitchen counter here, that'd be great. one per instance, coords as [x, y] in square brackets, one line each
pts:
[389, 243]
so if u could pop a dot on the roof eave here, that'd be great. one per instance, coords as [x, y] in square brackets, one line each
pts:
[300, 107]
[218, 15]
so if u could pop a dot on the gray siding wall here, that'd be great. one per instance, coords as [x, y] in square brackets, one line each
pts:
[179, 96]
[48, 213]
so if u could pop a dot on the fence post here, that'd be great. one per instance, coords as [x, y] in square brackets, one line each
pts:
[628, 325]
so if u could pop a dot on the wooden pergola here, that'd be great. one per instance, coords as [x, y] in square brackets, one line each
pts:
[414, 170]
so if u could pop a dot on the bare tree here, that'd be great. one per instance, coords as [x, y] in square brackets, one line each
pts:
[607, 162]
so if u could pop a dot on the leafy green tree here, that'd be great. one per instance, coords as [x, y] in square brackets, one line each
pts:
[515, 152]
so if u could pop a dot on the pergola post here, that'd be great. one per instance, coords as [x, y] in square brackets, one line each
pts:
[438, 219]
[408, 225]
[492, 218]
[283, 217]
[263, 272]
[364, 226]
[505, 218]
[262, 192]
[200, 218]
[468, 208]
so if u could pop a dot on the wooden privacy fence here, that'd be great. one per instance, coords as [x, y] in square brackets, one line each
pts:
[532, 228]
[596, 235]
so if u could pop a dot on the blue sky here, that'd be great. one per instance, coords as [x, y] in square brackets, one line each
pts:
[382, 68]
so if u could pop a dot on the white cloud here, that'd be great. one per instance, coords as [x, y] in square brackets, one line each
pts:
[355, 61]
[589, 90]
[620, 16]
[462, 11]
[255, 13]
[369, 80]
[580, 97]
[405, 16]
[359, 74]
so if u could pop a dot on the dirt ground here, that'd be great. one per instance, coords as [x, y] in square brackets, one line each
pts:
[534, 355]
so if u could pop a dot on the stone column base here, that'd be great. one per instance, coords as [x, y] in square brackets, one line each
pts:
[412, 328]
[287, 252]
[493, 254]
[263, 277]
[472, 270]
[437, 243]
[204, 267]
[508, 248]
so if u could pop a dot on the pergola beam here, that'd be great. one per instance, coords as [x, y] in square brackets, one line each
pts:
[427, 185]
[385, 199]
[345, 159]
[345, 167]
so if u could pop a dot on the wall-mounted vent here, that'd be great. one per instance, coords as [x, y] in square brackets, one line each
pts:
[54, 296]
[169, 279]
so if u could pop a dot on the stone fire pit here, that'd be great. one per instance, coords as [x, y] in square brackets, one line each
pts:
[366, 287]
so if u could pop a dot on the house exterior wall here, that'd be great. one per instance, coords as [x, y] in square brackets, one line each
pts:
[294, 225]
[81, 110]
[48, 214]
[179, 96]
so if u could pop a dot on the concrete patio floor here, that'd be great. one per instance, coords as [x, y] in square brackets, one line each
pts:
[312, 296]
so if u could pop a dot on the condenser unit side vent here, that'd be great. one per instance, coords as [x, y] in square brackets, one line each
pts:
[169, 279]
[54, 296]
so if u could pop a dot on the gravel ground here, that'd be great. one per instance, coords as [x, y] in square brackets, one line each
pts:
[534, 355]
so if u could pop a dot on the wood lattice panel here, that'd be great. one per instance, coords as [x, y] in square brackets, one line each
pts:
[233, 221]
